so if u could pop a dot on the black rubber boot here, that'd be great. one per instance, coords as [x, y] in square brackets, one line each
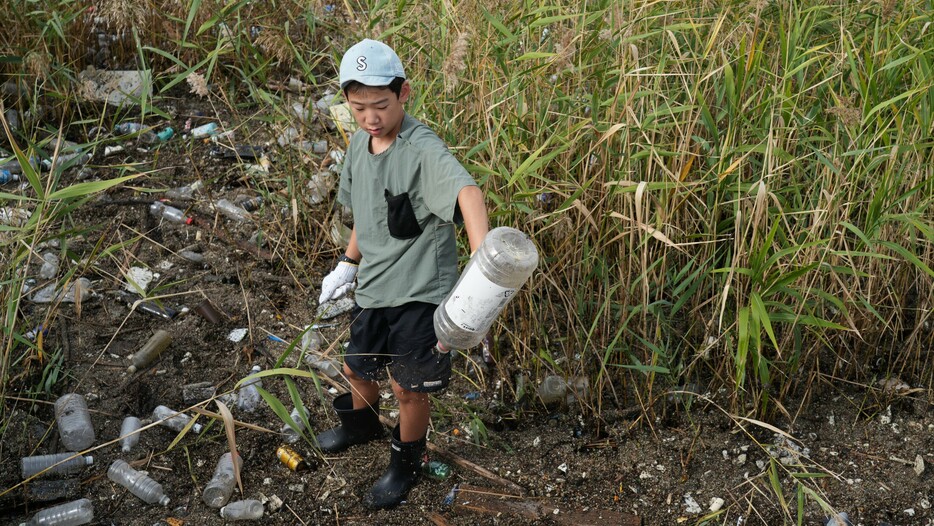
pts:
[357, 426]
[405, 459]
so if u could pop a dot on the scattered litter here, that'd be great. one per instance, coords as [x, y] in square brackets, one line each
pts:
[79, 289]
[205, 130]
[237, 335]
[115, 87]
[840, 519]
[292, 460]
[49, 268]
[13, 216]
[333, 308]
[919, 465]
[715, 504]
[138, 279]
[690, 505]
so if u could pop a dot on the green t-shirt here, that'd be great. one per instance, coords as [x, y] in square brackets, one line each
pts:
[404, 203]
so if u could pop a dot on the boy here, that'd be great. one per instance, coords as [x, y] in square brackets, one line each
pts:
[406, 192]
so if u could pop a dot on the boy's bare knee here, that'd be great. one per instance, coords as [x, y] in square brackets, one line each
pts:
[404, 396]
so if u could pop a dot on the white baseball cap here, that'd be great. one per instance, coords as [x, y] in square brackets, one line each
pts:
[370, 63]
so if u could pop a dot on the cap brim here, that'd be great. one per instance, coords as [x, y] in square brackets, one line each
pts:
[369, 80]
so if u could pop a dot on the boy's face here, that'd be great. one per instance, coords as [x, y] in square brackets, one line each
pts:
[378, 111]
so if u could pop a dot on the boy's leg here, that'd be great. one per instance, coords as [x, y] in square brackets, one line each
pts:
[365, 392]
[414, 412]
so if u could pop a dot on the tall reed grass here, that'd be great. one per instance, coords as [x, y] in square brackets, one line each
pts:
[735, 194]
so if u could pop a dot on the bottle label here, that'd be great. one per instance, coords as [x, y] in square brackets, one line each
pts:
[476, 301]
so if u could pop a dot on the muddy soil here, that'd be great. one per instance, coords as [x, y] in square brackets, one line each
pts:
[863, 450]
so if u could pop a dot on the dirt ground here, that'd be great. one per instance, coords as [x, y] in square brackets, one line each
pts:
[871, 452]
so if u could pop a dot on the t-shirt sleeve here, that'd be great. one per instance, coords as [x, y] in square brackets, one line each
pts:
[443, 177]
[346, 179]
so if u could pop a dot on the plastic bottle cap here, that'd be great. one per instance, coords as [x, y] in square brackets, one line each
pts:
[131, 369]
[164, 500]
[88, 460]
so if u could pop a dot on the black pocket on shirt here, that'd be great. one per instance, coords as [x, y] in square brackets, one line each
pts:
[401, 216]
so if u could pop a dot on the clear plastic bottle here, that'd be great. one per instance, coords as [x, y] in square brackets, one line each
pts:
[126, 128]
[150, 350]
[73, 513]
[291, 435]
[37, 464]
[169, 213]
[232, 211]
[184, 192]
[74, 422]
[248, 397]
[243, 510]
[504, 261]
[172, 419]
[553, 389]
[129, 433]
[221, 486]
[138, 483]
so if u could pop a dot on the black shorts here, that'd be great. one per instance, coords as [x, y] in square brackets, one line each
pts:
[402, 339]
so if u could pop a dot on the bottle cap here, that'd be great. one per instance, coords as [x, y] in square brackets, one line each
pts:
[88, 460]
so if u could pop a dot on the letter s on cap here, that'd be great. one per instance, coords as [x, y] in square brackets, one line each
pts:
[361, 63]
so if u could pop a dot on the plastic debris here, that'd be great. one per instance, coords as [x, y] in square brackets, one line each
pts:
[138, 483]
[237, 335]
[115, 87]
[334, 308]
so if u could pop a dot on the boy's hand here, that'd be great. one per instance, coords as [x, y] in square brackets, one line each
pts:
[339, 282]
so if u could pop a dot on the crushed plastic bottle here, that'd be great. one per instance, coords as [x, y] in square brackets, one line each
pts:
[552, 389]
[137, 483]
[173, 419]
[248, 397]
[150, 351]
[291, 435]
[70, 463]
[169, 213]
[126, 128]
[129, 433]
[232, 211]
[80, 288]
[74, 422]
[73, 513]
[243, 510]
[184, 192]
[502, 264]
[219, 489]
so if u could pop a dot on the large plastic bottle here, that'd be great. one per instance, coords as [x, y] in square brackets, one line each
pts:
[74, 422]
[73, 513]
[37, 464]
[129, 433]
[150, 350]
[221, 486]
[504, 261]
[138, 483]
[552, 389]
[243, 510]
[172, 419]
[248, 397]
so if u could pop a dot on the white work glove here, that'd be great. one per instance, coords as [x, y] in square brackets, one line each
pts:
[339, 282]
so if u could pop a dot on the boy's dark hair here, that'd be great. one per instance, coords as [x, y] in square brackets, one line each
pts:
[395, 86]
